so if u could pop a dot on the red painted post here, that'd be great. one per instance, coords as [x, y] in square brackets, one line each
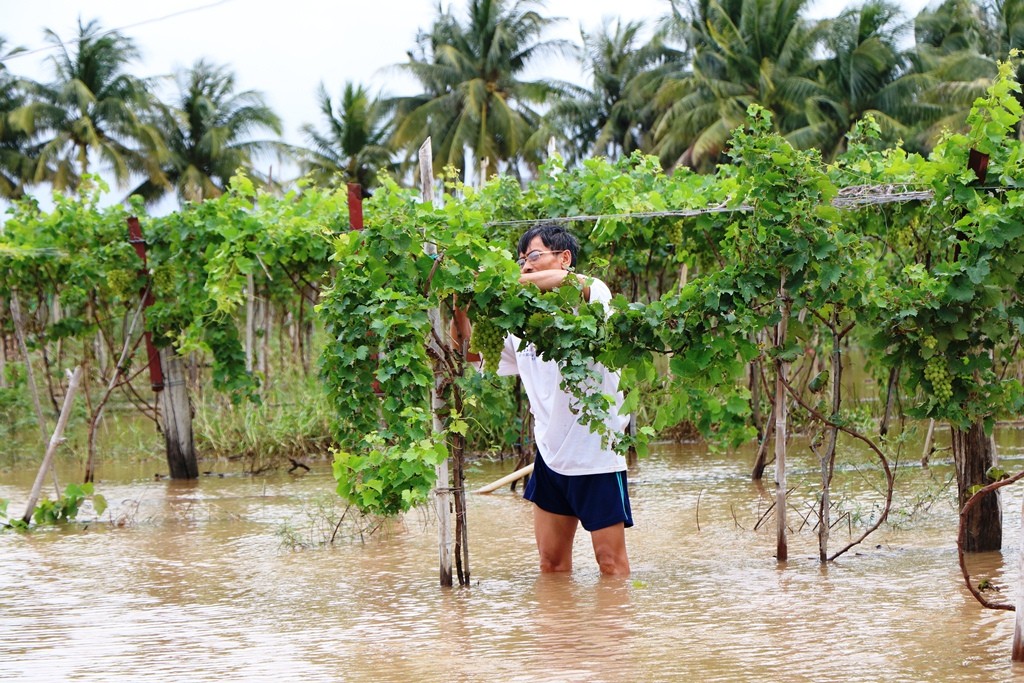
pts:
[355, 222]
[156, 373]
[355, 206]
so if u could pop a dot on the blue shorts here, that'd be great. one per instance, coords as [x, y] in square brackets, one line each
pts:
[597, 500]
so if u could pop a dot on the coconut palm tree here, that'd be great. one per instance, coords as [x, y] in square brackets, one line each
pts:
[958, 44]
[615, 115]
[744, 52]
[474, 105]
[354, 146]
[17, 167]
[865, 71]
[206, 133]
[91, 110]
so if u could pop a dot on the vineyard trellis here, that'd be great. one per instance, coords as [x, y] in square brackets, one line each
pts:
[911, 258]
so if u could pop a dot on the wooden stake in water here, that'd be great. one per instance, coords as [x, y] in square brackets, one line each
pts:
[1018, 623]
[442, 485]
[55, 439]
[176, 411]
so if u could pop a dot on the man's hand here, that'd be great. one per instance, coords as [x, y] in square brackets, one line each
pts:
[460, 330]
[546, 280]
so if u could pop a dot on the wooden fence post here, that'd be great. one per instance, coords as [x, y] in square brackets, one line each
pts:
[176, 410]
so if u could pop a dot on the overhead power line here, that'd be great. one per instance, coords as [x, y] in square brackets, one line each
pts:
[144, 22]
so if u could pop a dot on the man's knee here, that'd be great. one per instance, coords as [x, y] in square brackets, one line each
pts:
[610, 550]
[613, 563]
[551, 563]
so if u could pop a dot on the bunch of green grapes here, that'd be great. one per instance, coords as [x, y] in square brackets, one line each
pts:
[675, 234]
[163, 279]
[904, 238]
[487, 339]
[938, 376]
[122, 283]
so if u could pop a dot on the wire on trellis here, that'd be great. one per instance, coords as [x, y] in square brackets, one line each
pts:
[848, 198]
[14, 252]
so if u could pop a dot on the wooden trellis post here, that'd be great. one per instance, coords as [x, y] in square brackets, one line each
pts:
[442, 485]
[167, 378]
[1018, 621]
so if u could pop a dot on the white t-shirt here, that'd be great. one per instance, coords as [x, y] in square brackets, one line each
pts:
[567, 446]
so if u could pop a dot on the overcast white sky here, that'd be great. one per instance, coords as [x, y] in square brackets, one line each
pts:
[285, 48]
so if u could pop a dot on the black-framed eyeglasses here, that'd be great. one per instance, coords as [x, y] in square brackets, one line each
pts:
[534, 255]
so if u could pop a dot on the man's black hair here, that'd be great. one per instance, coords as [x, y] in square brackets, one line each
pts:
[554, 237]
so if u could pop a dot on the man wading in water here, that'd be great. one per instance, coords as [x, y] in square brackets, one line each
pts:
[575, 478]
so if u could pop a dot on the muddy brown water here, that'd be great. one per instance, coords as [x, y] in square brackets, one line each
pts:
[204, 582]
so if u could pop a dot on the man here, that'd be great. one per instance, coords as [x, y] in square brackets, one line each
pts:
[575, 479]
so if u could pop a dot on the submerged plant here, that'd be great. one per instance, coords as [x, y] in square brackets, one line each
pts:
[61, 511]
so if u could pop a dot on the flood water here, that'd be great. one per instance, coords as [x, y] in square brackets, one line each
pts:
[210, 581]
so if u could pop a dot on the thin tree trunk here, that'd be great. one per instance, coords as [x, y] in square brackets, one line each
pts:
[781, 367]
[300, 333]
[3, 361]
[890, 399]
[90, 463]
[973, 457]
[828, 460]
[459, 489]
[250, 321]
[19, 332]
[48, 376]
[761, 458]
[99, 342]
[51, 448]
[754, 368]
[263, 350]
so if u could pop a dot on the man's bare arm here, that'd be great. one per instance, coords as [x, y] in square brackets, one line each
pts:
[547, 280]
[460, 330]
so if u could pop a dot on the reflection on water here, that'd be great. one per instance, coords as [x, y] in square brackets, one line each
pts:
[197, 586]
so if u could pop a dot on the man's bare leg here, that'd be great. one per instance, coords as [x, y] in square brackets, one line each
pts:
[610, 549]
[554, 539]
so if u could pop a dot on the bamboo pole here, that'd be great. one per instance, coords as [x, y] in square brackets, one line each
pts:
[55, 440]
[926, 452]
[507, 479]
[442, 486]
